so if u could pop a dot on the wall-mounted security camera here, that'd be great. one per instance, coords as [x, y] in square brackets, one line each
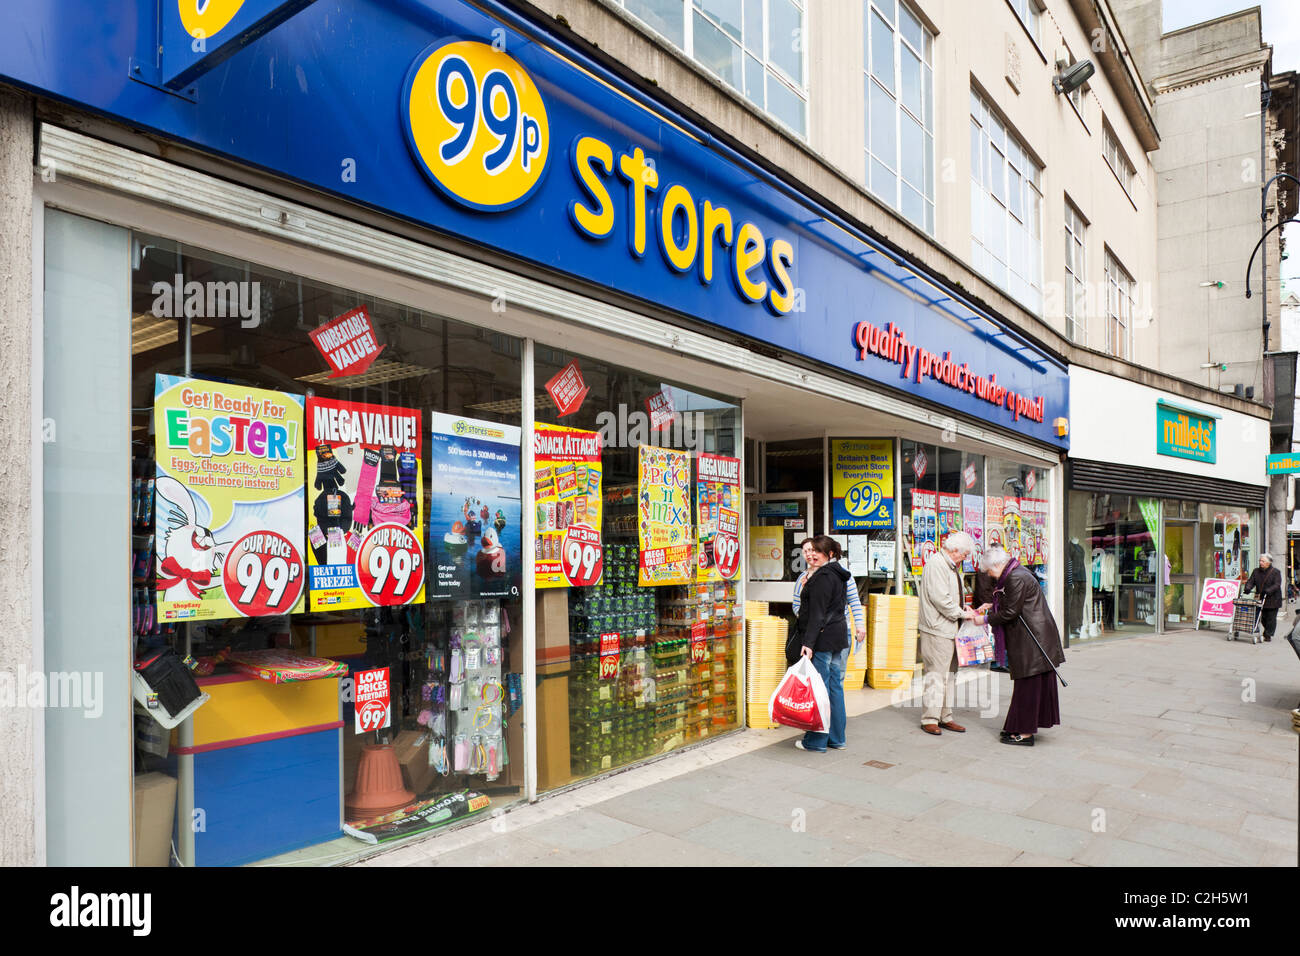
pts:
[1069, 80]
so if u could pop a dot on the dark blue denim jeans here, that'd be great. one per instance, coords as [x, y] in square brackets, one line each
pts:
[827, 666]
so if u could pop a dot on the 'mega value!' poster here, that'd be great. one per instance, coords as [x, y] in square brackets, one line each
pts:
[228, 525]
[365, 485]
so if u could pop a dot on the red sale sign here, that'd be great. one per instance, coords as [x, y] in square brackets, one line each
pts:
[699, 642]
[390, 565]
[1217, 596]
[660, 408]
[608, 656]
[582, 557]
[263, 574]
[567, 389]
[347, 343]
[372, 695]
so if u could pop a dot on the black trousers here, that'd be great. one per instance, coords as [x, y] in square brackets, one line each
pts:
[1269, 618]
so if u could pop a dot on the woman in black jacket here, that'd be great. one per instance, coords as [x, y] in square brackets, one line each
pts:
[1020, 607]
[823, 633]
[1266, 581]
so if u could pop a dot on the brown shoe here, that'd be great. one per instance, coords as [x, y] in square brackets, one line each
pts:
[955, 728]
[932, 729]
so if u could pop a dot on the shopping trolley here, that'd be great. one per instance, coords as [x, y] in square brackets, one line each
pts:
[1247, 615]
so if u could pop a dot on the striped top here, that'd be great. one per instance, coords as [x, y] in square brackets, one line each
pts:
[854, 609]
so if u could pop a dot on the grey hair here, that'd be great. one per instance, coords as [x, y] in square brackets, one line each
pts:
[1267, 556]
[994, 556]
[959, 541]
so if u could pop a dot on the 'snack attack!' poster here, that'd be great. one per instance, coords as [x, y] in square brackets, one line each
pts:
[567, 548]
[365, 485]
[474, 508]
[664, 517]
[718, 506]
[228, 525]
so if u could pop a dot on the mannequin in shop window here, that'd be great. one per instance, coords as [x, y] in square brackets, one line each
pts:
[1075, 575]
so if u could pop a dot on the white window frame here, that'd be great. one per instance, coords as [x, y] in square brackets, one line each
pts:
[771, 71]
[1119, 309]
[997, 139]
[870, 10]
[1076, 272]
[1030, 14]
[1117, 159]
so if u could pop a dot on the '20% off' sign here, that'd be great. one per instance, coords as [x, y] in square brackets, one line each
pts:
[390, 565]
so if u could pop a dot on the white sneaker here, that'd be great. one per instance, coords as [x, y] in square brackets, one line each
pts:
[798, 744]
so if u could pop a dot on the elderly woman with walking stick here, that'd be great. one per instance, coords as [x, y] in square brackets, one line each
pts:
[1033, 647]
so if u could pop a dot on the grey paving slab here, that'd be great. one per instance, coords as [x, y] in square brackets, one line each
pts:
[1163, 806]
[499, 850]
[588, 830]
[1112, 851]
[876, 858]
[1270, 830]
[659, 850]
[883, 797]
[768, 843]
[1233, 849]
[765, 801]
[1087, 815]
[1021, 833]
[952, 786]
[662, 812]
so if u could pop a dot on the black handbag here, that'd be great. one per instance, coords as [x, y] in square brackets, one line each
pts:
[170, 679]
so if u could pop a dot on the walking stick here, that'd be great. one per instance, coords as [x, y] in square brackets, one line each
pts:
[1041, 651]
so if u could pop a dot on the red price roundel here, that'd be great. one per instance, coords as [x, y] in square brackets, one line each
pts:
[582, 557]
[263, 574]
[390, 565]
[726, 553]
[373, 715]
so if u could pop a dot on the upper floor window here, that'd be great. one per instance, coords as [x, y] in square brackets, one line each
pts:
[1117, 159]
[1076, 324]
[756, 47]
[899, 104]
[1119, 309]
[1006, 207]
[1029, 12]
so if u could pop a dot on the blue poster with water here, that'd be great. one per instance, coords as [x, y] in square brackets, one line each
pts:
[474, 510]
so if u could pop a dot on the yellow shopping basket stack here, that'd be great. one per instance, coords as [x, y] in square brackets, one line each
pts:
[891, 639]
[755, 609]
[764, 665]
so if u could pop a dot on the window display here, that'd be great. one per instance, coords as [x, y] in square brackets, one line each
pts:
[636, 655]
[339, 600]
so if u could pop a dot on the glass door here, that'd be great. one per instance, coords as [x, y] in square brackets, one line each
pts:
[776, 525]
[1180, 573]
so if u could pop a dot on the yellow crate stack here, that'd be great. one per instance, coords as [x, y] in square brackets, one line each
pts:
[891, 639]
[764, 665]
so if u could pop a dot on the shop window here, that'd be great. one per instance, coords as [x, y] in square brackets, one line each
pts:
[1006, 206]
[757, 48]
[1114, 569]
[1228, 541]
[406, 585]
[644, 659]
[899, 109]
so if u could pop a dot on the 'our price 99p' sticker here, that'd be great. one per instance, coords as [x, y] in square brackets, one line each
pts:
[390, 566]
[263, 574]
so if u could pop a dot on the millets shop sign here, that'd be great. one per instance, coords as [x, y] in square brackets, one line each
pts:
[1182, 433]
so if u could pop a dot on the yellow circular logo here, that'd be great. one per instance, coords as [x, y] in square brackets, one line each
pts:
[476, 124]
[207, 18]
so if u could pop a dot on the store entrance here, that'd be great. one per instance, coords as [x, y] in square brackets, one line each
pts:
[1181, 573]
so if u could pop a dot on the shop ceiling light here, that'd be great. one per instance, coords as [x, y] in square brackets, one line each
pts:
[510, 406]
[381, 371]
[150, 332]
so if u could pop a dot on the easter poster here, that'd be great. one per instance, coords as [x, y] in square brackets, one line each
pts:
[664, 527]
[364, 488]
[474, 508]
[228, 500]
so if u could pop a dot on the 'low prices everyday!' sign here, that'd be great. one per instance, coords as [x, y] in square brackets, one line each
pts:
[373, 700]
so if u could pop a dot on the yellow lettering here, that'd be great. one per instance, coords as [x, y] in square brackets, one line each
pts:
[678, 197]
[641, 177]
[600, 223]
[714, 219]
[749, 252]
[780, 255]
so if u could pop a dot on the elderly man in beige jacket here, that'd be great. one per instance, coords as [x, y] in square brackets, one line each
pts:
[942, 612]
